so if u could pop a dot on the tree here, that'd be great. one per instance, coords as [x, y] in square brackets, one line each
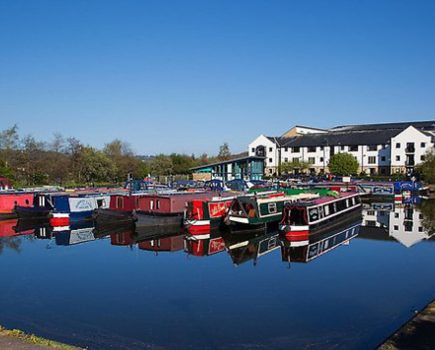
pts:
[181, 163]
[161, 165]
[290, 167]
[427, 209]
[224, 152]
[427, 168]
[96, 166]
[343, 164]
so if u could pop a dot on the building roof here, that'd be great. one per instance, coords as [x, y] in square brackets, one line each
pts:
[241, 159]
[276, 140]
[364, 137]
[420, 125]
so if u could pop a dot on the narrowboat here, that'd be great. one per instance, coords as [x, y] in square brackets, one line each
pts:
[206, 245]
[319, 243]
[149, 210]
[203, 216]
[9, 200]
[251, 248]
[305, 217]
[263, 208]
[63, 208]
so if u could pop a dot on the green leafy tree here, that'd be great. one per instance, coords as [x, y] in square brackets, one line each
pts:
[290, 167]
[6, 171]
[181, 163]
[96, 166]
[427, 168]
[161, 165]
[343, 164]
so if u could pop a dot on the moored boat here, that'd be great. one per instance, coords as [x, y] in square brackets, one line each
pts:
[11, 199]
[204, 215]
[302, 218]
[266, 207]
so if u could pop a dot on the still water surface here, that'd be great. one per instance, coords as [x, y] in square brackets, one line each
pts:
[123, 292]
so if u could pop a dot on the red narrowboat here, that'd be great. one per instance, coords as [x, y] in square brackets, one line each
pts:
[205, 215]
[9, 200]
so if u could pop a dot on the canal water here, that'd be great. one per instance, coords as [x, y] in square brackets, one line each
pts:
[348, 288]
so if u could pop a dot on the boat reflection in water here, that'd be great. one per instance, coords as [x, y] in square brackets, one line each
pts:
[204, 245]
[405, 223]
[251, 247]
[319, 243]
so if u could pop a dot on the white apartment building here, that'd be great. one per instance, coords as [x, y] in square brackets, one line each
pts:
[378, 148]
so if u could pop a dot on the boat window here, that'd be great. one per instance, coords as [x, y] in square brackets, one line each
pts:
[272, 208]
[347, 203]
[236, 208]
[151, 204]
[42, 201]
[326, 210]
[314, 214]
[341, 205]
[357, 200]
[298, 216]
[157, 204]
[353, 200]
[249, 208]
[100, 203]
[331, 208]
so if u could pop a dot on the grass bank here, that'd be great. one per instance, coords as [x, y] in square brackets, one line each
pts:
[33, 339]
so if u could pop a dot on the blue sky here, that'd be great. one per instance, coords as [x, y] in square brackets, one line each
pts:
[186, 76]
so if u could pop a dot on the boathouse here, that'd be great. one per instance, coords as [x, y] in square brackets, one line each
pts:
[246, 168]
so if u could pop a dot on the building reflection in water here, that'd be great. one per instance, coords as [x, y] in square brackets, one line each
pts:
[405, 223]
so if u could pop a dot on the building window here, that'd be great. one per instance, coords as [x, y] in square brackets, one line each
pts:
[322, 148]
[342, 148]
[396, 228]
[296, 149]
[285, 160]
[295, 160]
[372, 148]
[311, 149]
[321, 159]
[423, 144]
[270, 171]
[398, 158]
[372, 160]
[285, 149]
[253, 150]
[353, 148]
[423, 158]
[270, 160]
[398, 145]
[383, 158]
[270, 149]
[311, 160]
